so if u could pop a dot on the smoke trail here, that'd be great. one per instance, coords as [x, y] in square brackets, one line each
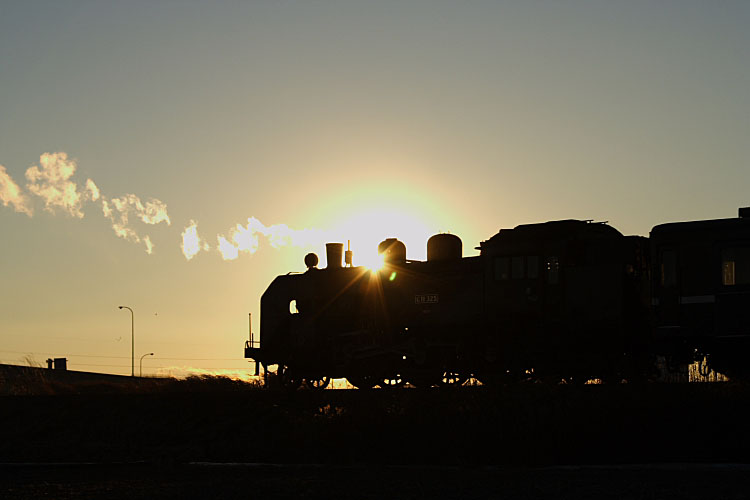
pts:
[11, 194]
[92, 189]
[119, 210]
[52, 182]
[247, 238]
[152, 212]
[191, 242]
[149, 245]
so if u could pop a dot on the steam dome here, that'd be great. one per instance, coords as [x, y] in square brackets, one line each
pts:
[441, 247]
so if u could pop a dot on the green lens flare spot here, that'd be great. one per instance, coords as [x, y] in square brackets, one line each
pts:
[393, 276]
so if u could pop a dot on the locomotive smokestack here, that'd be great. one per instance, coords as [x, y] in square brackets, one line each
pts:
[334, 253]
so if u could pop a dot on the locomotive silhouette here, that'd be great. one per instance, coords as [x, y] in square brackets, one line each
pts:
[562, 300]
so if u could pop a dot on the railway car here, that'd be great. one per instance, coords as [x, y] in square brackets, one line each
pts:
[564, 300]
[701, 293]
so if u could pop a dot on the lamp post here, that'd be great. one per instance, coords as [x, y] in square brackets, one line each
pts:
[132, 340]
[147, 354]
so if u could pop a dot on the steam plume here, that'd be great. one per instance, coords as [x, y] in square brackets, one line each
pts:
[191, 242]
[52, 181]
[92, 189]
[119, 210]
[246, 238]
[11, 194]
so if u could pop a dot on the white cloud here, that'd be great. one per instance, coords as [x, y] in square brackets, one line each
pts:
[11, 194]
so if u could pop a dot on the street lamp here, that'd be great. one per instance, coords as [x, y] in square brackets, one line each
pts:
[132, 340]
[147, 354]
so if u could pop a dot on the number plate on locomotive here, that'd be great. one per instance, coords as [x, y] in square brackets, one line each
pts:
[428, 298]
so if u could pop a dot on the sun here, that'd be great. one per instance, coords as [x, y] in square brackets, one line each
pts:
[366, 228]
[375, 264]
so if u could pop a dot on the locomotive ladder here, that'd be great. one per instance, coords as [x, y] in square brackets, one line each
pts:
[252, 347]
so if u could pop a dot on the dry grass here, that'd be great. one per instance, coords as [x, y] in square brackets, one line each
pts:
[35, 381]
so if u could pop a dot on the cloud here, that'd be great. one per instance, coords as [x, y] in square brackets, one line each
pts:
[191, 242]
[11, 194]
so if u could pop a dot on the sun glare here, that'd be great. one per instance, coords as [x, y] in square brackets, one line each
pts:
[367, 228]
[375, 264]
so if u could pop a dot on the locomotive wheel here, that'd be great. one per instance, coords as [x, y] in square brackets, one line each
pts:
[392, 382]
[289, 379]
[452, 379]
[317, 384]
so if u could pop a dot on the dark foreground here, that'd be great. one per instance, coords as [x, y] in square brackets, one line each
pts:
[525, 441]
[224, 481]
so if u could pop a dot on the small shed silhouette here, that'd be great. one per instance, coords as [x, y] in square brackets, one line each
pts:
[57, 363]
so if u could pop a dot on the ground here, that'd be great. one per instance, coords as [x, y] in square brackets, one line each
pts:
[523, 441]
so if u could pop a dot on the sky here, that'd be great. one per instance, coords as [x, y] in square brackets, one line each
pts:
[176, 156]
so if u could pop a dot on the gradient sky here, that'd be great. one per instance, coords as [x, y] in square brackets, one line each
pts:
[351, 120]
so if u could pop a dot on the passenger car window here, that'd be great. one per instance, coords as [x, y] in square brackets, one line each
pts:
[735, 266]
[517, 268]
[532, 267]
[668, 268]
[502, 265]
[553, 270]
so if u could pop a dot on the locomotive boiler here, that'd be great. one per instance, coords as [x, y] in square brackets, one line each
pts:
[564, 300]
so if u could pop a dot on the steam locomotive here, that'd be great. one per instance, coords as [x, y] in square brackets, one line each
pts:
[565, 300]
